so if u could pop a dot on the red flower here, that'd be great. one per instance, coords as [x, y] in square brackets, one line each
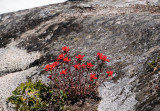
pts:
[83, 66]
[64, 72]
[79, 57]
[52, 66]
[66, 59]
[110, 73]
[65, 49]
[61, 56]
[100, 55]
[76, 66]
[89, 65]
[104, 58]
[47, 67]
[50, 77]
[107, 60]
[55, 64]
[92, 77]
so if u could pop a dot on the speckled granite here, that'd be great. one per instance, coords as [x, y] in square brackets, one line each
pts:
[130, 37]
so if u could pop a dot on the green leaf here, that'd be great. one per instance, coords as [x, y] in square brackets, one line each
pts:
[37, 95]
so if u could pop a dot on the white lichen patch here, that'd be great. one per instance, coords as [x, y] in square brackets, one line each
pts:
[13, 59]
[117, 96]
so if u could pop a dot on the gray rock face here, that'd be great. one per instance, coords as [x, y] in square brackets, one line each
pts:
[130, 38]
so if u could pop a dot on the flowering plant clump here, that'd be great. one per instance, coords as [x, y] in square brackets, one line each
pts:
[77, 77]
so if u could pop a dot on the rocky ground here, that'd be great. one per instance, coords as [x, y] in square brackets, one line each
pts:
[129, 35]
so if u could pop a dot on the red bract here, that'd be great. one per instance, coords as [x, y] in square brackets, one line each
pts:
[104, 58]
[50, 77]
[79, 57]
[100, 55]
[64, 72]
[93, 76]
[110, 73]
[55, 63]
[61, 56]
[66, 59]
[83, 66]
[47, 67]
[89, 65]
[65, 49]
[52, 66]
[76, 66]
[107, 60]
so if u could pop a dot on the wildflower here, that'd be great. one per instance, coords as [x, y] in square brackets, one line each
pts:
[79, 57]
[104, 58]
[64, 72]
[99, 55]
[52, 66]
[110, 73]
[61, 56]
[83, 66]
[50, 77]
[55, 63]
[47, 67]
[65, 49]
[76, 66]
[92, 77]
[107, 60]
[89, 65]
[66, 59]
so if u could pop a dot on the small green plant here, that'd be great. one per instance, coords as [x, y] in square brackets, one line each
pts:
[153, 63]
[36, 96]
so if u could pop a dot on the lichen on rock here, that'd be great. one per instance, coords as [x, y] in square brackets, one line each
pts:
[129, 35]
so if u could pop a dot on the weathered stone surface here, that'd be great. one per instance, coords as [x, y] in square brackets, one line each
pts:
[130, 37]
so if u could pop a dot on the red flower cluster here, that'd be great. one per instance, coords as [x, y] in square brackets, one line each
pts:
[50, 67]
[65, 49]
[89, 65]
[76, 66]
[102, 57]
[64, 72]
[99, 55]
[77, 77]
[47, 67]
[79, 57]
[61, 56]
[93, 76]
[55, 63]
[83, 66]
[66, 60]
[110, 73]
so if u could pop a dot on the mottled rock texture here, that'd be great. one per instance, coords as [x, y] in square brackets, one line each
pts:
[130, 36]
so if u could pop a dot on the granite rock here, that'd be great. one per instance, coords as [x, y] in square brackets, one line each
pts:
[129, 36]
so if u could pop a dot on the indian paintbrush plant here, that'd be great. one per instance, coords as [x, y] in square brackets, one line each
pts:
[70, 79]
[79, 79]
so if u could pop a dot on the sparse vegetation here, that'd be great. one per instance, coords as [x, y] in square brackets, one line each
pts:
[36, 96]
[154, 63]
[72, 81]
